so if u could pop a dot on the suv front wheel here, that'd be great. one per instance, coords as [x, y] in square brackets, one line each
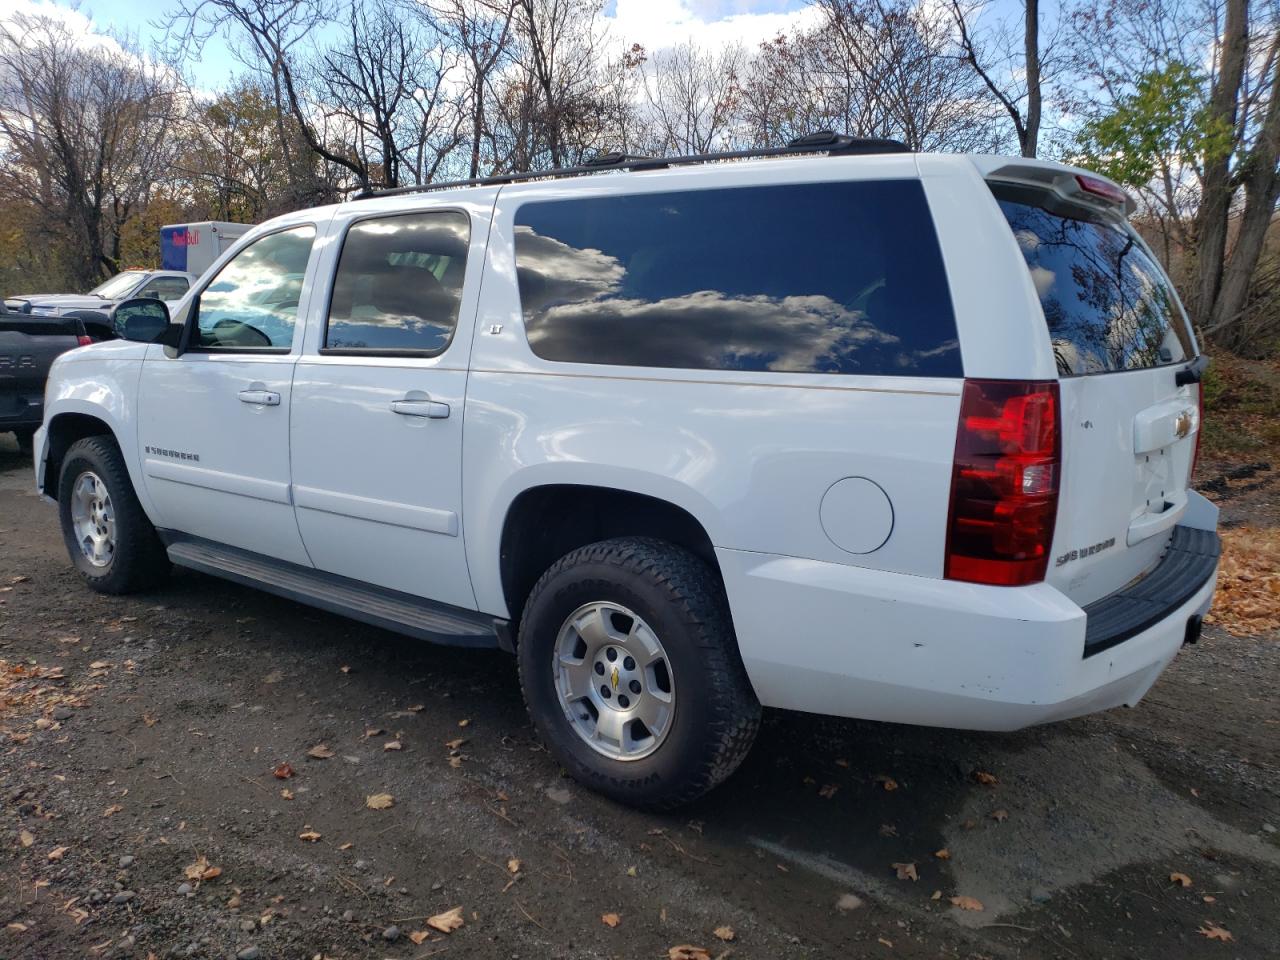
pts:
[631, 672]
[108, 536]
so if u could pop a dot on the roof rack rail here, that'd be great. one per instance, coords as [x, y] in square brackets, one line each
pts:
[823, 141]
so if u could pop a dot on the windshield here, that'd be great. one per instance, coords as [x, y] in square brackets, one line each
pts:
[1106, 302]
[118, 286]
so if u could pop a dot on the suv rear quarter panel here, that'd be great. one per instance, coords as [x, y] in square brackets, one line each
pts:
[750, 455]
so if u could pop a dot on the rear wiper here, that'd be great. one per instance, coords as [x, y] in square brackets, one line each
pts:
[1193, 373]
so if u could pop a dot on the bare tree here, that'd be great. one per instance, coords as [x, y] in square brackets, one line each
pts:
[1022, 105]
[86, 133]
[692, 98]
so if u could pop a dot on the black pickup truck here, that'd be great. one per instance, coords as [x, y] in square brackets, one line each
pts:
[27, 348]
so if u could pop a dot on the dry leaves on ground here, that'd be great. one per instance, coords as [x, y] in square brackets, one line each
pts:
[320, 751]
[1214, 932]
[57, 853]
[828, 791]
[968, 903]
[610, 919]
[201, 870]
[393, 745]
[1248, 597]
[446, 922]
[724, 933]
[887, 782]
[514, 865]
[419, 937]
[687, 952]
[1181, 879]
[986, 779]
[906, 871]
[1000, 816]
[283, 772]
[309, 835]
[943, 854]
[380, 801]
[26, 838]
[112, 810]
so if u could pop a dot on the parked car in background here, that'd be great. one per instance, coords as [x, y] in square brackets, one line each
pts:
[905, 437]
[28, 346]
[95, 306]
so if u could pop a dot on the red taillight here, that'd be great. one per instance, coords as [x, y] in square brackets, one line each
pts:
[1004, 482]
[83, 340]
[1102, 188]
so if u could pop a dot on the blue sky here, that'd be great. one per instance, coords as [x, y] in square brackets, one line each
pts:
[654, 23]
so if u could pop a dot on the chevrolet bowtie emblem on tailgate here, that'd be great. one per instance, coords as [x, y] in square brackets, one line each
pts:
[1182, 426]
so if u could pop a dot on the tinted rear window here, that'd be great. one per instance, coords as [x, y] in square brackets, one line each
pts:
[1106, 302]
[839, 277]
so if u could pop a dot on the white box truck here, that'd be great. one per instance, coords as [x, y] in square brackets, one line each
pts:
[194, 247]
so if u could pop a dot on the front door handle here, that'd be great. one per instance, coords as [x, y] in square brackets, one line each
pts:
[420, 407]
[263, 398]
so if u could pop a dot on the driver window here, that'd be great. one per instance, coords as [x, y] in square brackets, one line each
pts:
[252, 302]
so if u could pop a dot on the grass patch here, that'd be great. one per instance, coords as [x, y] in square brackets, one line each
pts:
[1241, 410]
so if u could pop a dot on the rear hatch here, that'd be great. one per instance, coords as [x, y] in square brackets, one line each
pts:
[1122, 344]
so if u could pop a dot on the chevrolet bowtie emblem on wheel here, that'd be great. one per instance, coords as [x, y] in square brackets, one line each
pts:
[1182, 426]
[613, 678]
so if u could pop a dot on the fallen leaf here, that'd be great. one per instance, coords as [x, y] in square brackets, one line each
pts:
[610, 919]
[26, 838]
[309, 835]
[724, 933]
[1214, 932]
[150, 719]
[455, 744]
[686, 952]
[848, 901]
[57, 853]
[455, 762]
[464, 723]
[887, 782]
[287, 793]
[112, 810]
[392, 745]
[284, 771]
[936, 895]
[1181, 879]
[1000, 816]
[20, 578]
[906, 871]
[986, 779]
[887, 943]
[380, 801]
[446, 922]
[345, 669]
[968, 903]
[514, 865]
[346, 846]
[419, 937]
[200, 870]
[828, 791]
[943, 854]
[374, 732]
[212, 873]
[417, 708]
[16, 927]
[320, 751]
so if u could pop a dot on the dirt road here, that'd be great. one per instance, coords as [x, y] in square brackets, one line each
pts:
[140, 813]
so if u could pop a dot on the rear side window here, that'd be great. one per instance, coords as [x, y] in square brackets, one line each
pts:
[1105, 300]
[842, 277]
[399, 284]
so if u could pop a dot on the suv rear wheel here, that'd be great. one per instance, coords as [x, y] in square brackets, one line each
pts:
[108, 536]
[631, 672]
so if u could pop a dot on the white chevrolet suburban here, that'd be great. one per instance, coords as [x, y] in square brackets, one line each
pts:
[835, 428]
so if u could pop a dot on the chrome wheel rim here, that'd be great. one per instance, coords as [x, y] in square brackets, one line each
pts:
[93, 519]
[614, 681]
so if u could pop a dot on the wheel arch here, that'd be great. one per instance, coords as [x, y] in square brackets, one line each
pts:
[64, 429]
[545, 522]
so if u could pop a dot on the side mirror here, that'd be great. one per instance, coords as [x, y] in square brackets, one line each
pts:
[141, 320]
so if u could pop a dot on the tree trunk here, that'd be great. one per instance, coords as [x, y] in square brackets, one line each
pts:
[1031, 130]
[1260, 174]
[1216, 186]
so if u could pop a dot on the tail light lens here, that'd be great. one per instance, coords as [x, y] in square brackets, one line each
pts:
[1195, 457]
[1004, 482]
[84, 340]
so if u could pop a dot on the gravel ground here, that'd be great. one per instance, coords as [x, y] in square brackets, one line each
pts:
[141, 813]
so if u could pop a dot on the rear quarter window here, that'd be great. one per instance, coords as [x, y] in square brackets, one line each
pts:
[842, 277]
[1107, 304]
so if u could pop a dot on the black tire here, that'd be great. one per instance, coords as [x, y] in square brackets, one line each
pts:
[683, 601]
[139, 560]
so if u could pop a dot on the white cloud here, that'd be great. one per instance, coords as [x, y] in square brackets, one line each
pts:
[657, 24]
[80, 26]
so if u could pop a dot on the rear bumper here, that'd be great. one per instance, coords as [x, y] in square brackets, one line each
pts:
[841, 640]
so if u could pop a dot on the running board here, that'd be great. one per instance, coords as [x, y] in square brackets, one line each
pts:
[377, 606]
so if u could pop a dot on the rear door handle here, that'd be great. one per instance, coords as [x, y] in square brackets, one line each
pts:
[263, 398]
[427, 407]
